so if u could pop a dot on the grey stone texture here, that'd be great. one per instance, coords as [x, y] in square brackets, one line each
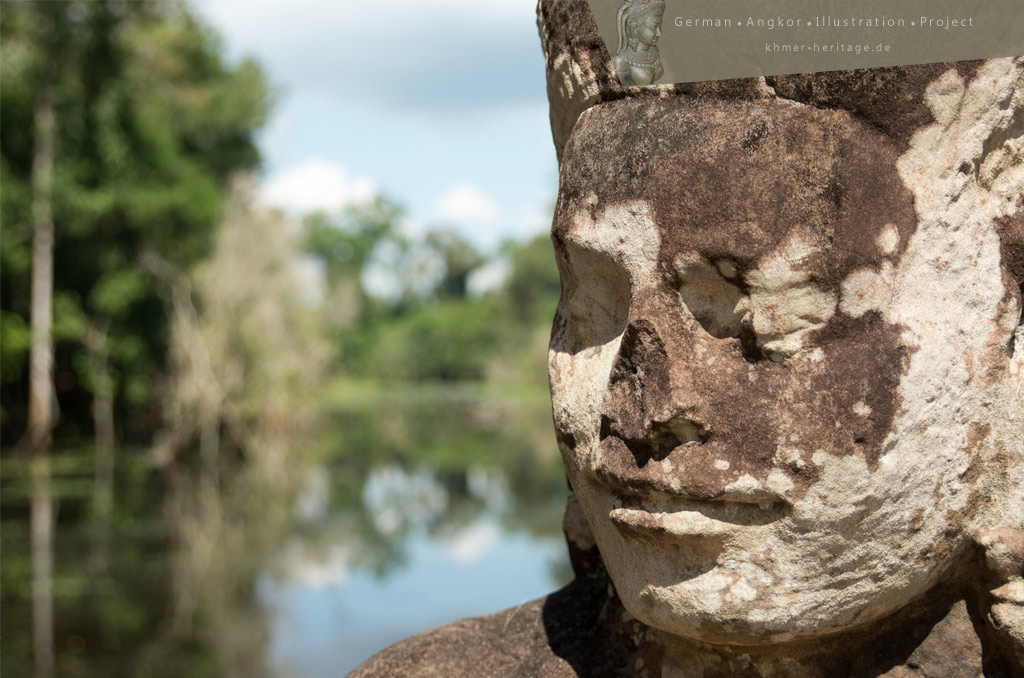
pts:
[786, 376]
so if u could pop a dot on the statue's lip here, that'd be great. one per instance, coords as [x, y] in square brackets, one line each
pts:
[660, 493]
[683, 517]
[651, 512]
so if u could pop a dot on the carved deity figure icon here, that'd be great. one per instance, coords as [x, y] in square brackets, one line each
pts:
[787, 377]
[638, 26]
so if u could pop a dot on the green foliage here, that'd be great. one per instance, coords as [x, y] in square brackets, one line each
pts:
[345, 244]
[459, 259]
[15, 338]
[533, 286]
[117, 290]
[69, 322]
[151, 122]
[430, 328]
[448, 341]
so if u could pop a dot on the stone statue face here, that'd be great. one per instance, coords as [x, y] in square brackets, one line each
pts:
[770, 379]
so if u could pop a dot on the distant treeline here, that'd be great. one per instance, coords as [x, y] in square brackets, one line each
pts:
[150, 124]
[430, 327]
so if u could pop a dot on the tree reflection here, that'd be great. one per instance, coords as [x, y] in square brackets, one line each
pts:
[186, 557]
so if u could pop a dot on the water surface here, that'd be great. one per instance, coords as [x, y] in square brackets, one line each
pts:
[422, 507]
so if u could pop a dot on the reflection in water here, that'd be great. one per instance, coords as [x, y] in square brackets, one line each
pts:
[396, 501]
[488, 485]
[332, 610]
[327, 627]
[312, 504]
[417, 512]
[41, 520]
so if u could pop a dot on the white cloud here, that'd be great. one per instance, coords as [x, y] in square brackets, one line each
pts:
[464, 203]
[445, 54]
[488, 277]
[315, 184]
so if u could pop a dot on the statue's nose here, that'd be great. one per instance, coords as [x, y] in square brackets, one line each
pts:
[686, 411]
[651, 402]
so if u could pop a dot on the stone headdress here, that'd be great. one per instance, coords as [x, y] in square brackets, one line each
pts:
[580, 74]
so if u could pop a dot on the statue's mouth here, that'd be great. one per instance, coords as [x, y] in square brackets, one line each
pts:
[685, 499]
[679, 516]
[671, 472]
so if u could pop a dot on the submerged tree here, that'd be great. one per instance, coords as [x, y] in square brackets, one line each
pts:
[248, 356]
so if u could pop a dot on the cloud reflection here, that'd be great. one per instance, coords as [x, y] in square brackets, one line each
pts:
[396, 500]
[471, 543]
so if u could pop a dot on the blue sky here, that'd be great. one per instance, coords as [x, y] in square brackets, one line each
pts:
[439, 105]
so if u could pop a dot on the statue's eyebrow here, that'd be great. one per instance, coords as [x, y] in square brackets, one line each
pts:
[563, 236]
[566, 245]
[567, 238]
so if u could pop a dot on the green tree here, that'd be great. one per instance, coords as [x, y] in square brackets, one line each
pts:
[344, 245]
[119, 126]
[247, 360]
[459, 260]
[447, 340]
[533, 286]
[527, 299]
[152, 122]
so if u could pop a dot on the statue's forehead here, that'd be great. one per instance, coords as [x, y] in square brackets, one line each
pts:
[738, 179]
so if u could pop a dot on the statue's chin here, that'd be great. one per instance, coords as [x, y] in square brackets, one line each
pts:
[703, 610]
[662, 610]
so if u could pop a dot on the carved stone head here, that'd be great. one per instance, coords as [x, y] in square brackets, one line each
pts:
[786, 367]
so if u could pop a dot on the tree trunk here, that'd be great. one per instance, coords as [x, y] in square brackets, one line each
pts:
[41, 394]
[103, 431]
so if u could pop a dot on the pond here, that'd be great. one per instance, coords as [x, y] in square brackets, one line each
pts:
[425, 505]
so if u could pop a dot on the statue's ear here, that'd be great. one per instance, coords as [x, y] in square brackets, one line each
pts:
[583, 554]
[1002, 582]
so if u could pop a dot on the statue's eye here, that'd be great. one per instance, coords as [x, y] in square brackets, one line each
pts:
[769, 320]
[715, 301]
[595, 295]
[711, 293]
